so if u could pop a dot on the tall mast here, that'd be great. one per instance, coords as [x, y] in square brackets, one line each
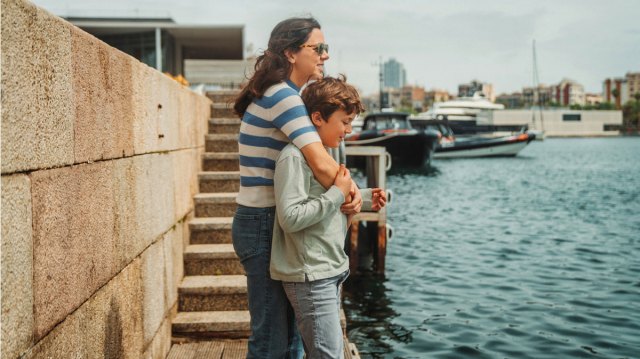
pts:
[536, 86]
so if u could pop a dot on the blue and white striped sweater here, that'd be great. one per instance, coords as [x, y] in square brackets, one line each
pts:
[267, 126]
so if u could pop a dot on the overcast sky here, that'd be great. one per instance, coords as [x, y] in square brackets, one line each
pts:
[441, 43]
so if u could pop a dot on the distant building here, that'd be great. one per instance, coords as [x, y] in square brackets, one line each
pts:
[394, 74]
[436, 95]
[201, 53]
[633, 81]
[567, 93]
[469, 89]
[616, 91]
[512, 100]
[413, 96]
[593, 99]
[536, 96]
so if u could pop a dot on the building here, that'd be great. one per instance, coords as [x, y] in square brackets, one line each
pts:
[567, 93]
[633, 82]
[512, 100]
[202, 54]
[616, 91]
[393, 74]
[469, 89]
[561, 122]
[536, 96]
[593, 99]
[413, 96]
[435, 95]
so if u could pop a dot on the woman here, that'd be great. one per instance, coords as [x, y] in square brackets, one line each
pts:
[273, 115]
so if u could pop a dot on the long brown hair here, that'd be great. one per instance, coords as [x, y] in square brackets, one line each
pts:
[272, 66]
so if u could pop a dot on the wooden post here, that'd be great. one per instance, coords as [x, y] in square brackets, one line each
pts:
[382, 248]
[353, 249]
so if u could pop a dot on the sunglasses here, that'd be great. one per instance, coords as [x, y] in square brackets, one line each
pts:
[320, 47]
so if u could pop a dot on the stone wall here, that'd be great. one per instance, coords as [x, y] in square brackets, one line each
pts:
[100, 155]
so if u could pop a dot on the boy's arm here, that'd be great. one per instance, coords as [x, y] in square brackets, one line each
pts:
[295, 210]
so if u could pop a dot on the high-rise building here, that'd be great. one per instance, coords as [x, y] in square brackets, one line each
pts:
[394, 74]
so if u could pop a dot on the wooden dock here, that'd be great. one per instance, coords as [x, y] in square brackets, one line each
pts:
[231, 349]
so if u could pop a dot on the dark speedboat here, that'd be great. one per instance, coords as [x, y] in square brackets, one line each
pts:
[452, 147]
[392, 130]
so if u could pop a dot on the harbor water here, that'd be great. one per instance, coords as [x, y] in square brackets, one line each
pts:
[536, 256]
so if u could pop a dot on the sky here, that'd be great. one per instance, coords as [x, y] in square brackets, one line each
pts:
[440, 43]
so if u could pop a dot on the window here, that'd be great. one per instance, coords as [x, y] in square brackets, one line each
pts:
[571, 117]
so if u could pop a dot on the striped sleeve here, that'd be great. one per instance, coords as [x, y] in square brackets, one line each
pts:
[290, 116]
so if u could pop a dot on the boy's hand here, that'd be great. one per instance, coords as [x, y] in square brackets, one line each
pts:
[343, 180]
[354, 205]
[378, 198]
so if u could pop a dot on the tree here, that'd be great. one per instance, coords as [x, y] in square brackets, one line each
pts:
[615, 93]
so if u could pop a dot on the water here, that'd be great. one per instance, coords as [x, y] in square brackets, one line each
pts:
[536, 256]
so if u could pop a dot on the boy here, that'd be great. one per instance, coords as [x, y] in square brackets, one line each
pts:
[308, 239]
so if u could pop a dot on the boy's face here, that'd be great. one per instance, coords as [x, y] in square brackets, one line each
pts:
[335, 128]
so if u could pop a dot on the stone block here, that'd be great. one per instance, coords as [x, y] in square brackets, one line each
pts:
[17, 264]
[144, 202]
[161, 343]
[37, 94]
[185, 177]
[153, 284]
[74, 239]
[108, 325]
[156, 123]
[102, 96]
[174, 267]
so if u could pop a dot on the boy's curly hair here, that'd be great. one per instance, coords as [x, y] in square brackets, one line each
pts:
[331, 94]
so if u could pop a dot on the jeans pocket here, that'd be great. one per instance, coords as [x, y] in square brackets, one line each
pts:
[245, 233]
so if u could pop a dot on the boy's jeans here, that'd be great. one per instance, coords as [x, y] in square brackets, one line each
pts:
[317, 308]
[273, 331]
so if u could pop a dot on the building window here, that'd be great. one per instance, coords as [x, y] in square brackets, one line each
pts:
[571, 117]
[611, 127]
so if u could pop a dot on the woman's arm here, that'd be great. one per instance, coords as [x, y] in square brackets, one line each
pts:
[324, 169]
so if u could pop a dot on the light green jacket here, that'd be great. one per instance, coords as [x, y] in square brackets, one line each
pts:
[309, 229]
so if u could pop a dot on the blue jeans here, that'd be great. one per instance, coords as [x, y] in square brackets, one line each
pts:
[273, 330]
[317, 308]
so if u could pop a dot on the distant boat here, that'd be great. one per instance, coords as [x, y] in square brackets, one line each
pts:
[392, 130]
[452, 147]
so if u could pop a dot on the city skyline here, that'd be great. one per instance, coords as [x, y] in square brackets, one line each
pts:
[441, 45]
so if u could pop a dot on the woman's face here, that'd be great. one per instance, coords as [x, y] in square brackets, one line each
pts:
[307, 64]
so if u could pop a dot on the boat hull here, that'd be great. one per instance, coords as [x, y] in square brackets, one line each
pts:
[497, 147]
[412, 150]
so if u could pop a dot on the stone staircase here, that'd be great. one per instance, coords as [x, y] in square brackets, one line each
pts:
[212, 298]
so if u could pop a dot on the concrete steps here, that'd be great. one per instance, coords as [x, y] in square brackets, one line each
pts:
[212, 293]
[212, 297]
[219, 181]
[221, 161]
[224, 125]
[215, 204]
[221, 142]
[212, 324]
[211, 259]
[210, 230]
[222, 110]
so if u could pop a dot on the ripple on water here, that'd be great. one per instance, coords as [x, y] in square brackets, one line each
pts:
[530, 257]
